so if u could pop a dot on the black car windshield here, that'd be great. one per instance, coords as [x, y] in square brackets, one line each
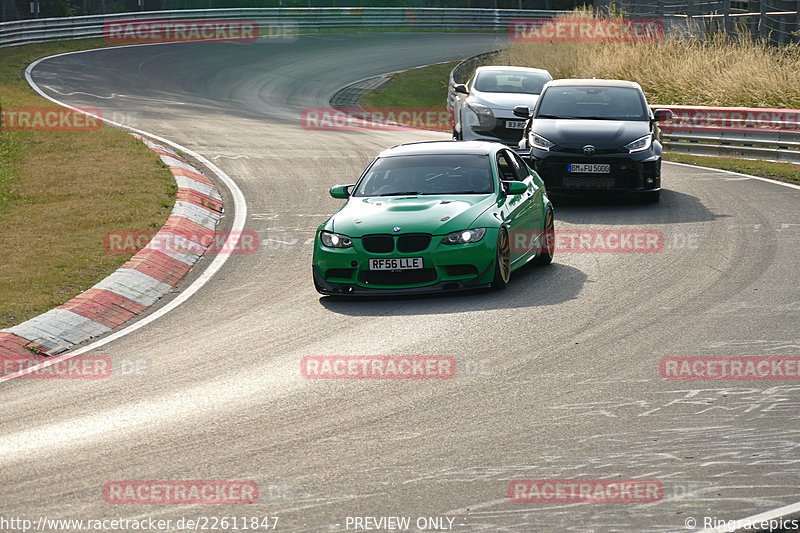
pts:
[427, 174]
[492, 81]
[593, 103]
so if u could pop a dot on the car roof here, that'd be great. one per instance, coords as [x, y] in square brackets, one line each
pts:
[504, 68]
[593, 82]
[443, 148]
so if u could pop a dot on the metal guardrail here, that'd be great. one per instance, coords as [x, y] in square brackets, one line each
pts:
[295, 20]
[750, 133]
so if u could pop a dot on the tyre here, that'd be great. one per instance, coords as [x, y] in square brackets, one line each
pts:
[545, 257]
[502, 262]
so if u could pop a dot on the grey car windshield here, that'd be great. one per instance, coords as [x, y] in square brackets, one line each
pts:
[427, 174]
[491, 81]
[602, 103]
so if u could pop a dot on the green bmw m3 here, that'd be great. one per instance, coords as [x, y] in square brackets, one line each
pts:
[432, 217]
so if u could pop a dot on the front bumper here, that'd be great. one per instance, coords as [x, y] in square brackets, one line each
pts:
[630, 173]
[499, 133]
[345, 271]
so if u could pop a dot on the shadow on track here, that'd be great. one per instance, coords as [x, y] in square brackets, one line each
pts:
[674, 208]
[530, 286]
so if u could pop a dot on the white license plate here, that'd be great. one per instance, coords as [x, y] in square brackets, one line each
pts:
[515, 124]
[400, 263]
[589, 168]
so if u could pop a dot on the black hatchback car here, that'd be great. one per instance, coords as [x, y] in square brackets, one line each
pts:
[595, 135]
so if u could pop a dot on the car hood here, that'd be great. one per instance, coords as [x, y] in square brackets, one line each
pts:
[413, 214]
[504, 101]
[602, 134]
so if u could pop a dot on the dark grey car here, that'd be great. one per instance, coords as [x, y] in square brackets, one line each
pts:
[595, 135]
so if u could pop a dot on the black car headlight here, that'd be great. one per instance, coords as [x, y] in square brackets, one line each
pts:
[537, 141]
[464, 236]
[335, 240]
[640, 145]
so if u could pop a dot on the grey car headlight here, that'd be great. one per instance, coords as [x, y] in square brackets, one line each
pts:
[484, 115]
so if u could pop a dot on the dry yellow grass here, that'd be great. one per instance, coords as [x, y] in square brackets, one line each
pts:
[60, 192]
[720, 71]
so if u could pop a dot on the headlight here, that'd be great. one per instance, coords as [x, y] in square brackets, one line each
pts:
[640, 145]
[484, 114]
[465, 236]
[537, 141]
[335, 240]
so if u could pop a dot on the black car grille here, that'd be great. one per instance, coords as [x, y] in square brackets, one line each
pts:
[598, 151]
[507, 135]
[339, 273]
[461, 270]
[378, 244]
[625, 174]
[413, 242]
[406, 277]
[409, 243]
[588, 182]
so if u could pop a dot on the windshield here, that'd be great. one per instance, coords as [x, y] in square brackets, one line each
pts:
[427, 174]
[492, 81]
[599, 103]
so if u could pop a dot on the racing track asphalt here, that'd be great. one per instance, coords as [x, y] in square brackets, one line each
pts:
[558, 375]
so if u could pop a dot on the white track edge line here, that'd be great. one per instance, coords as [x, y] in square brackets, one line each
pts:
[240, 217]
[739, 174]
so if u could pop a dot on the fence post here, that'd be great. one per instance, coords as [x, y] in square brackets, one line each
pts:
[797, 24]
[762, 19]
[726, 16]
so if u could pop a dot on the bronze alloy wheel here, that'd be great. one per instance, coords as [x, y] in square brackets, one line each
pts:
[502, 267]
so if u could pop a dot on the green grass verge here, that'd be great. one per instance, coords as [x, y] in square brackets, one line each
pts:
[766, 169]
[61, 192]
[417, 88]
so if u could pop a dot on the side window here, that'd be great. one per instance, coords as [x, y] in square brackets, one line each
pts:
[505, 167]
[524, 171]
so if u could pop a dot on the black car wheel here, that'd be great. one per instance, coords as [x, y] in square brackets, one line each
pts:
[545, 257]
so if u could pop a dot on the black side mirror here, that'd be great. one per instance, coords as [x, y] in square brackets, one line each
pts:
[662, 115]
[522, 111]
[460, 88]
